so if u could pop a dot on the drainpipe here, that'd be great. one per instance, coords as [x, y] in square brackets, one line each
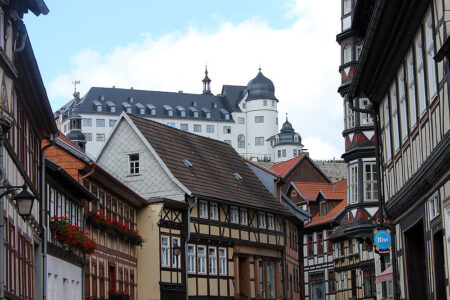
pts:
[188, 238]
[43, 217]
[83, 267]
[2, 221]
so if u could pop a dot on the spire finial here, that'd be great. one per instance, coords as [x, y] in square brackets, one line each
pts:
[206, 82]
[206, 69]
[286, 116]
[75, 93]
[259, 68]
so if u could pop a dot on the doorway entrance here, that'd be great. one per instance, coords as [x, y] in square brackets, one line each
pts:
[416, 273]
[439, 264]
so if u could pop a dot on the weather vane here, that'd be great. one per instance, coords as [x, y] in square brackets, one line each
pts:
[75, 94]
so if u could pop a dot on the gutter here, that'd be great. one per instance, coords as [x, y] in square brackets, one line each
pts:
[43, 215]
[188, 238]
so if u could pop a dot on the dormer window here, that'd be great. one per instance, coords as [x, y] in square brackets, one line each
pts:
[277, 139]
[195, 114]
[141, 108]
[169, 110]
[208, 115]
[130, 99]
[102, 97]
[151, 108]
[296, 138]
[113, 109]
[181, 111]
[227, 116]
[127, 107]
[214, 105]
[97, 105]
[194, 103]
[206, 112]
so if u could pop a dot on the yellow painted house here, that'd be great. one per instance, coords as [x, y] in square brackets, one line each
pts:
[211, 227]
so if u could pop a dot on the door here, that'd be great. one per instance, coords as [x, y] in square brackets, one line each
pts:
[416, 273]
[244, 278]
[439, 264]
[318, 290]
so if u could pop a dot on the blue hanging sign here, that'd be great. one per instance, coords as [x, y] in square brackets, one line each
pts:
[382, 239]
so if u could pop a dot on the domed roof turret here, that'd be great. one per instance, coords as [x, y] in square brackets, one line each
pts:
[287, 126]
[261, 87]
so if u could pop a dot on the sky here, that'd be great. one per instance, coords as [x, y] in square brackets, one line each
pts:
[165, 45]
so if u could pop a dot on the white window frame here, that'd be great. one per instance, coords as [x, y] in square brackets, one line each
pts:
[365, 119]
[283, 152]
[244, 216]
[356, 246]
[353, 183]
[403, 106]
[434, 206]
[339, 281]
[420, 73]
[394, 115]
[192, 259]
[345, 281]
[349, 116]
[259, 141]
[213, 211]
[241, 120]
[184, 127]
[176, 260]
[197, 128]
[262, 220]
[212, 260]
[387, 131]
[347, 54]
[134, 165]
[165, 251]
[203, 209]
[431, 65]
[412, 105]
[234, 215]
[201, 260]
[270, 222]
[209, 128]
[223, 261]
[370, 179]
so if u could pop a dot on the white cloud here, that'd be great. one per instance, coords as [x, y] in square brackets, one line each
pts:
[320, 149]
[302, 60]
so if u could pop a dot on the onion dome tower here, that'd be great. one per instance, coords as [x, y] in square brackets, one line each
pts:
[260, 107]
[287, 144]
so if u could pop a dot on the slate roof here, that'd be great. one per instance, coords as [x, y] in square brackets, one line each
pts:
[213, 166]
[286, 136]
[120, 98]
[330, 191]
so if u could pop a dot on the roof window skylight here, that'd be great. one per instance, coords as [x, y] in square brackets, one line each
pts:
[238, 176]
[187, 163]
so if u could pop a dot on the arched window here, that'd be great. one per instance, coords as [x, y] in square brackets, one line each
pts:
[347, 53]
[277, 139]
[241, 141]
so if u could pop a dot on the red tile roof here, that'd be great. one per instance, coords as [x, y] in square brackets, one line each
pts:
[331, 215]
[331, 191]
[284, 167]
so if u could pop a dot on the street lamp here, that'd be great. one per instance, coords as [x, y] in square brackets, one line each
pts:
[24, 199]
[176, 250]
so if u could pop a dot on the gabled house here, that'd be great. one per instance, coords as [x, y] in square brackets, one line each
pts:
[213, 230]
[110, 218]
[300, 168]
[293, 263]
[326, 202]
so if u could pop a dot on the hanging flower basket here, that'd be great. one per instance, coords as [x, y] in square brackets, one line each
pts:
[71, 235]
[116, 295]
[115, 228]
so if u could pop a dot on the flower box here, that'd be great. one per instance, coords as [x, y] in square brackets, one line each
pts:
[115, 228]
[71, 235]
[118, 295]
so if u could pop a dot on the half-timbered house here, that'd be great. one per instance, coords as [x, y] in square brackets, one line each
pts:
[65, 197]
[113, 266]
[25, 119]
[212, 228]
[293, 280]
[403, 70]
[325, 202]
